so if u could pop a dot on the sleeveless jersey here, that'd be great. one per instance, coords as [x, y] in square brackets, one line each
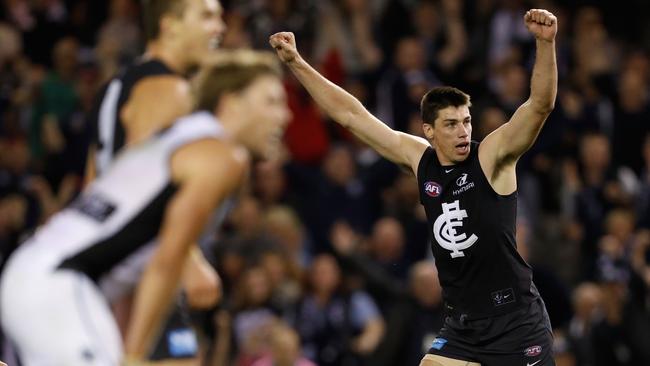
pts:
[473, 242]
[122, 210]
[108, 130]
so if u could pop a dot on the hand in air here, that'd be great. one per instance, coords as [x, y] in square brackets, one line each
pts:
[284, 44]
[541, 23]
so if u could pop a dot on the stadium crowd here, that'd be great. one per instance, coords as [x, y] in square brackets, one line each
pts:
[326, 257]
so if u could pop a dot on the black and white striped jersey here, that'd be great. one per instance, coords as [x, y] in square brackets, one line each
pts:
[122, 210]
[108, 130]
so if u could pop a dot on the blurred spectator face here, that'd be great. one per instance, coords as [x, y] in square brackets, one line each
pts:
[236, 36]
[270, 182]
[425, 284]
[387, 240]
[587, 301]
[123, 8]
[17, 157]
[614, 295]
[275, 266]
[285, 345]
[12, 213]
[632, 90]
[66, 56]
[325, 275]
[639, 63]
[410, 55]
[491, 119]
[257, 286]
[282, 224]
[199, 29]
[611, 246]
[339, 166]
[595, 152]
[246, 217]
[232, 265]
[425, 18]
[620, 224]
[589, 22]
[11, 43]
[514, 83]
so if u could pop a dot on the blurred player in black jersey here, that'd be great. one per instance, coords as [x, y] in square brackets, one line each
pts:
[494, 315]
[144, 98]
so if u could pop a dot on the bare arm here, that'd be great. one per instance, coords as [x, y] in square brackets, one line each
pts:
[204, 184]
[503, 147]
[346, 110]
[155, 103]
[200, 281]
[90, 172]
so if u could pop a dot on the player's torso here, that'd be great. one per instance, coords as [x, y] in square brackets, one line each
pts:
[109, 134]
[473, 235]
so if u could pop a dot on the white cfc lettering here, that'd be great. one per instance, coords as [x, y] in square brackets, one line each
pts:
[444, 230]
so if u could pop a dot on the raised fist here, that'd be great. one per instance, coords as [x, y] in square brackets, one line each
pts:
[285, 45]
[541, 23]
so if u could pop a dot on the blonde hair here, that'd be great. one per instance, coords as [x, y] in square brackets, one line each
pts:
[231, 71]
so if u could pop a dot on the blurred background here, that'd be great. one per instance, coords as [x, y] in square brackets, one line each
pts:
[326, 257]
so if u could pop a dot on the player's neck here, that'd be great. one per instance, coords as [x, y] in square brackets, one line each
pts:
[442, 159]
[167, 54]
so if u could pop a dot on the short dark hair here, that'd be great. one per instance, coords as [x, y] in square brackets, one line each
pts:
[440, 98]
[154, 10]
[232, 72]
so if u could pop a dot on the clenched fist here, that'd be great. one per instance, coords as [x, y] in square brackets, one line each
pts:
[541, 23]
[285, 45]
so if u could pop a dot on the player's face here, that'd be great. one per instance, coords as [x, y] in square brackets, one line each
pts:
[201, 28]
[267, 116]
[451, 134]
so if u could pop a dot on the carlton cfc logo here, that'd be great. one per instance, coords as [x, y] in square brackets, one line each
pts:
[433, 189]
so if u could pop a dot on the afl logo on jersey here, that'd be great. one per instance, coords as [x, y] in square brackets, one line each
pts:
[533, 351]
[433, 189]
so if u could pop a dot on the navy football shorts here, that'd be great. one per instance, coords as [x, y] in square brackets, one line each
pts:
[520, 338]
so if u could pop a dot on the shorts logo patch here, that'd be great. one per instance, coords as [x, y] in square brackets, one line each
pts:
[533, 351]
[433, 189]
[182, 342]
[438, 343]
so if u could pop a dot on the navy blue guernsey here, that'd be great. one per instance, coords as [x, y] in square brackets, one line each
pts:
[108, 130]
[473, 238]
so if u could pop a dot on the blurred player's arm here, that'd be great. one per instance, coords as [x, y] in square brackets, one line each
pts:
[345, 109]
[200, 281]
[506, 144]
[90, 171]
[207, 172]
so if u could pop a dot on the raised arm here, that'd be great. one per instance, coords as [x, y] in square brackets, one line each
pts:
[346, 110]
[207, 172]
[505, 145]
